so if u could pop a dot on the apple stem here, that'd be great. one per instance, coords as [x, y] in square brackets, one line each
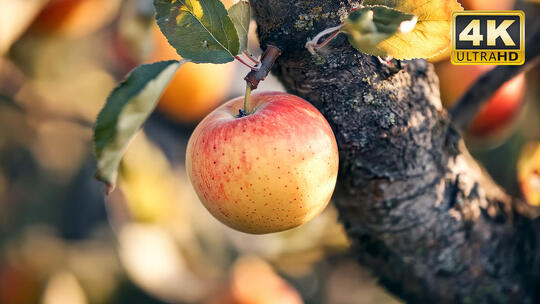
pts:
[267, 61]
[247, 95]
[257, 75]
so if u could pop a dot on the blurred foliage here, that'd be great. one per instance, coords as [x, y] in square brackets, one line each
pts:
[151, 241]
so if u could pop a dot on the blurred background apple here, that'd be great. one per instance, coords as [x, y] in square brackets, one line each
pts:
[498, 118]
[75, 17]
[487, 4]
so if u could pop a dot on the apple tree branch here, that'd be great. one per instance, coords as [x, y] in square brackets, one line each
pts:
[422, 214]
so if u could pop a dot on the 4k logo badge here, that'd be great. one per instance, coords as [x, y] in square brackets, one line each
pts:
[488, 37]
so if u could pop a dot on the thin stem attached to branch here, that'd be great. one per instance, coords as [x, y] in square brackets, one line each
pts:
[253, 68]
[313, 44]
[472, 101]
[250, 57]
[267, 61]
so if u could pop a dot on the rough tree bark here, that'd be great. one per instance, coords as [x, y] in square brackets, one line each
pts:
[422, 214]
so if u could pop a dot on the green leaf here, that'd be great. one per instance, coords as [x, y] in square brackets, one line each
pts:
[127, 108]
[368, 26]
[240, 14]
[201, 31]
[431, 34]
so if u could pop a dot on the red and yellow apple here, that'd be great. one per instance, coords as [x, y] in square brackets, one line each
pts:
[75, 17]
[271, 170]
[500, 111]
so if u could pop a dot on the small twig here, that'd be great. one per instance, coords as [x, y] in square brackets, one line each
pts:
[253, 68]
[386, 61]
[267, 61]
[250, 57]
[472, 101]
[313, 44]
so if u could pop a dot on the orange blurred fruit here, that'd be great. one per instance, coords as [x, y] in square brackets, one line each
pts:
[529, 173]
[487, 4]
[18, 285]
[253, 281]
[75, 17]
[195, 90]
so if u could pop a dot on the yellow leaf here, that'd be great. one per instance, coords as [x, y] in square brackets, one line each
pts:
[430, 36]
[529, 173]
[368, 26]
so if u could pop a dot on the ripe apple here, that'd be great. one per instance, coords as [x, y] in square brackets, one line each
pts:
[269, 171]
[75, 17]
[501, 110]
